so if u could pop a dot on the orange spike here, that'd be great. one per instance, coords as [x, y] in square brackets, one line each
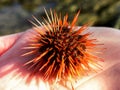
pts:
[75, 19]
[84, 27]
[41, 55]
[65, 23]
[60, 22]
[28, 53]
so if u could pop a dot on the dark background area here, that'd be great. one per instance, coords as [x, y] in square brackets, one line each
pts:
[14, 14]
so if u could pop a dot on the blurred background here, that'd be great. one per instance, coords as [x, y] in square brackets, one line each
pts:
[14, 14]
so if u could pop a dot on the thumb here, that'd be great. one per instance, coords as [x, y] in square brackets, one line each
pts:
[8, 41]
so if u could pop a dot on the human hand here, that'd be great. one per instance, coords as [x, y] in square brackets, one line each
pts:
[14, 77]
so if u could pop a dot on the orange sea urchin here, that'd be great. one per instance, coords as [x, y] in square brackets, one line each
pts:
[61, 53]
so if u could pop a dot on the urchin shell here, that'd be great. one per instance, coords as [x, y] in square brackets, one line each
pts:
[61, 53]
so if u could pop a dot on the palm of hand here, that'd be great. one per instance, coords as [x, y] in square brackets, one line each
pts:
[13, 76]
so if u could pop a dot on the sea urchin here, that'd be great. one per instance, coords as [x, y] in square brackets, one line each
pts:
[61, 53]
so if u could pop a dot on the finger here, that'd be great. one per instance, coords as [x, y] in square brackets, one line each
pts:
[8, 41]
[107, 80]
[109, 37]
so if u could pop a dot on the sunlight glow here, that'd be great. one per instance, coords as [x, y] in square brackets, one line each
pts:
[16, 82]
[6, 68]
[92, 84]
[43, 86]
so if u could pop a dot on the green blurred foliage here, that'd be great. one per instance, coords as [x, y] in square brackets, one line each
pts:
[98, 12]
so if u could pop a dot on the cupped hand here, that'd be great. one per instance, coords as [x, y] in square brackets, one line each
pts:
[13, 76]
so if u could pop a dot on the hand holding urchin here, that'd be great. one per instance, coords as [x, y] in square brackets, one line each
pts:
[61, 53]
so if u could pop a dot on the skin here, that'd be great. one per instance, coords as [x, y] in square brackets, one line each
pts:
[14, 77]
